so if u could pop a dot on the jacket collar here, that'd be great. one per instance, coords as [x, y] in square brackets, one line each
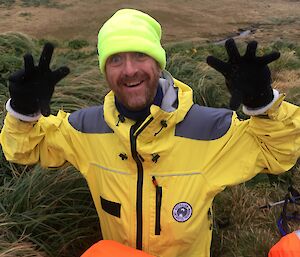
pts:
[177, 100]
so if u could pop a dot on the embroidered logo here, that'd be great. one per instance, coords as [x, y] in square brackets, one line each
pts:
[182, 211]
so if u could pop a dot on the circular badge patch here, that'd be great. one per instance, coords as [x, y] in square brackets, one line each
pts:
[182, 211]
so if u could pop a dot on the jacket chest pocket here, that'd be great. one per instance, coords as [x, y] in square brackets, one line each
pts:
[180, 205]
[112, 193]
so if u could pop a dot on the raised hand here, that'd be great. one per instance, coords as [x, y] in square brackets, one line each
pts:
[31, 88]
[247, 77]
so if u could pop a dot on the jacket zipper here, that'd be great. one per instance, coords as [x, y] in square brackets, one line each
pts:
[157, 205]
[139, 190]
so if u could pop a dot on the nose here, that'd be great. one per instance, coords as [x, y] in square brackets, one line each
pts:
[130, 66]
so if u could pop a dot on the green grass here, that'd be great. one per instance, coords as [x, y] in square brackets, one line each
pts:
[25, 14]
[284, 21]
[45, 213]
[53, 209]
[33, 3]
[293, 95]
[7, 3]
[241, 227]
[78, 43]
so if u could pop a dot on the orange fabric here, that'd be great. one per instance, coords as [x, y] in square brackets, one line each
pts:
[288, 246]
[109, 248]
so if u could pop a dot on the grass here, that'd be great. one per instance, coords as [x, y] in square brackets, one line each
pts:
[7, 3]
[242, 228]
[32, 3]
[53, 209]
[25, 14]
[78, 43]
[284, 21]
[47, 213]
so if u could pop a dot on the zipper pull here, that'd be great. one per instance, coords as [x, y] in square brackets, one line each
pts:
[157, 205]
[154, 181]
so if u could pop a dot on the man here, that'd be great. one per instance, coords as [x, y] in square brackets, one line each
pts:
[154, 160]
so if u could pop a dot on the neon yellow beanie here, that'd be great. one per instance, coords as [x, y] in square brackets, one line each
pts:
[130, 30]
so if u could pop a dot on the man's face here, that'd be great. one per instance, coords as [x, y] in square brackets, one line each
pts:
[133, 77]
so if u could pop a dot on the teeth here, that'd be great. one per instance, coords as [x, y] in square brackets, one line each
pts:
[132, 84]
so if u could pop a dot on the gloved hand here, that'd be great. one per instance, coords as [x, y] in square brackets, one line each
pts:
[247, 77]
[31, 88]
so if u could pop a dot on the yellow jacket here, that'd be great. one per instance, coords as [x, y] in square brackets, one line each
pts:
[153, 183]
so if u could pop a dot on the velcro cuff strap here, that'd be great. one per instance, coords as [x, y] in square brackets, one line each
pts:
[28, 118]
[261, 110]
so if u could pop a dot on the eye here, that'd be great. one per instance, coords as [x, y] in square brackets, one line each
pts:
[140, 55]
[115, 59]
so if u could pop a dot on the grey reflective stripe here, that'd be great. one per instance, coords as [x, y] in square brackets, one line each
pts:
[110, 170]
[175, 174]
[204, 123]
[89, 120]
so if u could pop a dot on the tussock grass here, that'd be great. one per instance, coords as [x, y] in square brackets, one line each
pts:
[53, 209]
[293, 95]
[45, 213]
[17, 247]
[187, 63]
[242, 229]
[12, 47]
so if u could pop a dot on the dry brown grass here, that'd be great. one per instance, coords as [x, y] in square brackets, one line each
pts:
[182, 20]
[284, 77]
[250, 231]
[19, 248]
[287, 79]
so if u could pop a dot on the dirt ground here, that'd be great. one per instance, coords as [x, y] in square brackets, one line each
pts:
[182, 20]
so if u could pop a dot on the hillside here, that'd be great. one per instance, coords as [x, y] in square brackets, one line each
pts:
[182, 20]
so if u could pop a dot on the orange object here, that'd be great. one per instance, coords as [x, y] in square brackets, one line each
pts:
[110, 248]
[287, 246]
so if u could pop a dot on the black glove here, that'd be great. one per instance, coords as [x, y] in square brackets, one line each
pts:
[247, 77]
[31, 88]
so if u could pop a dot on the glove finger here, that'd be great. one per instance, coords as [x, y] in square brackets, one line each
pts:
[232, 51]
[218, 65]
[45, 107]
[25, 73]
[28, 64]
[251, 50]
[268, 58]
[59, 74]
[46, 56]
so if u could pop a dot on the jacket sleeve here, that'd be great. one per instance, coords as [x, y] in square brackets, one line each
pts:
[45, 141]
[278, 137]
[268, 143]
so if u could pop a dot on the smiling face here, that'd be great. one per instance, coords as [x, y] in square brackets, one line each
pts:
[133, 77]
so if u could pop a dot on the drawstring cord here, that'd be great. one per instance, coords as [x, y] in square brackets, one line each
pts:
[163, 124]
[155, 157]
[121, 119]
[123, 156]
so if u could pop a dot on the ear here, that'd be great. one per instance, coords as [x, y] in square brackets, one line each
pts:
[159, 69]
